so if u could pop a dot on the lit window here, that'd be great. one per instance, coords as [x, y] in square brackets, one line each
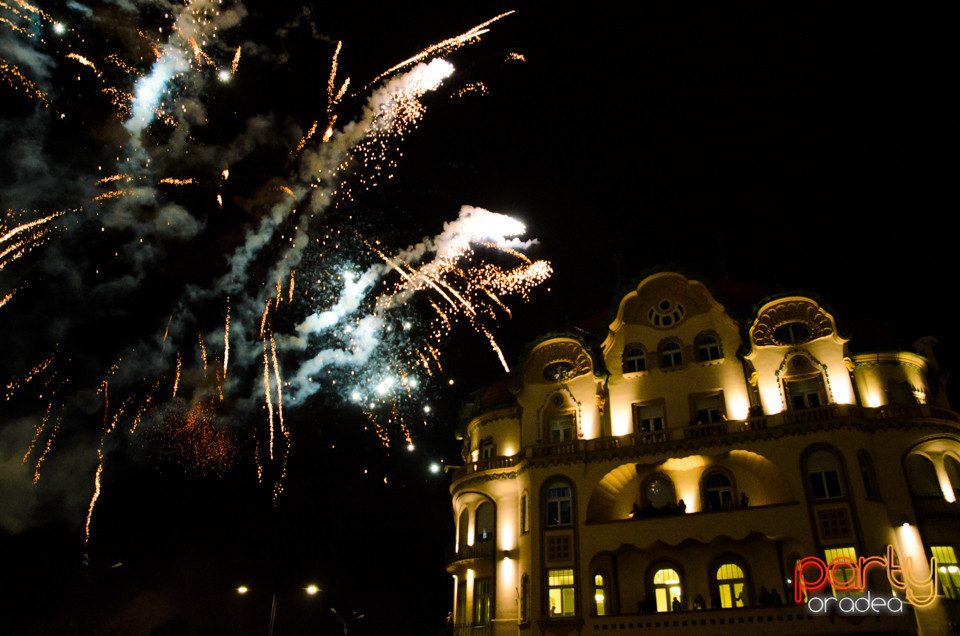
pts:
[559, 505]
[730, 582]
[666, 588]
[670, 355]
[949, 570]
[824, 475]
[718, 492]
[560, 428]
[561, 592]
[842, 574]
[482, 600]
[648, 418]
[708, 348]
[634, 359]
[599, 594]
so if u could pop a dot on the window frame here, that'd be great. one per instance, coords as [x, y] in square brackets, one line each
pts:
[558, 501]
[567, 591]
[638, 421]
[667, 587]
[483, 603]
[820, 477]
[634, 355]
[714, 349]
[671, 354]
[706, 489]
[735, 598]
[946, 575]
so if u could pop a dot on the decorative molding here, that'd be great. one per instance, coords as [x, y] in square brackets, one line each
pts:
[561, 350]
[786, 310]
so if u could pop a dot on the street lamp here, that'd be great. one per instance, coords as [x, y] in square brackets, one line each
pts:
[337, 614]
[311, 590]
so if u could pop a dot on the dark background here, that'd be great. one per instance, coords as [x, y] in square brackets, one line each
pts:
[758, 148]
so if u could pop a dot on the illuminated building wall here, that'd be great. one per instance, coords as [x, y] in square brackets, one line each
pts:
[775, 439]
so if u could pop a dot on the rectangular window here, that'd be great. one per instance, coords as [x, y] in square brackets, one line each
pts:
[947, 569]
[708, 408]
[842, 574]
[648, 417]
[482, 601]
[559, 506]
[524, 514]
[561, 429]
[487, 449]
[461, 616]
[825, 484]
[560, 593]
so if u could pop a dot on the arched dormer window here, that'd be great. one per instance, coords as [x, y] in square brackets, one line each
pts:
[803, 384]
[708, 347]
[634, 359]
[671, 355]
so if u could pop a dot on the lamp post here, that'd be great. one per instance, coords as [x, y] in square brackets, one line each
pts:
[337, 614]
[310, 590]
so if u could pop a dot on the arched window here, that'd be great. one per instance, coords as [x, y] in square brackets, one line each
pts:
[824, 473]
[600, 596]
[561, 592]
[666, 588]
[483, 530]
[922, 476]
[560, 418]
[658, 492]
[730, 582]
[866, 473]
[803, 383]
[708, 348]
[462, 529]
[559, 505]
[634, 359]
[670, 355]
[718, 491]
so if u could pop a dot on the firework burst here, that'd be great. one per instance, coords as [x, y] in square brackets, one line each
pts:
[296, 298]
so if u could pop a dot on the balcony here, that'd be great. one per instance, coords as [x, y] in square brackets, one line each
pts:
[479, 550]
[727, 431]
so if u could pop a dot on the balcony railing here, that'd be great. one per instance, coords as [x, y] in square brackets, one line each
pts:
[716, 430]
[473, 629]
[481, 549]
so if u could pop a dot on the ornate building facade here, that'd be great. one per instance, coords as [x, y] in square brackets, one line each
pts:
[671, 478]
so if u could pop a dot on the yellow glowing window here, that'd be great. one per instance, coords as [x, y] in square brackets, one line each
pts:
[666, 588]
[730, 581]
[948, 570]
[842, 574]
[599, 595]
[561, 592]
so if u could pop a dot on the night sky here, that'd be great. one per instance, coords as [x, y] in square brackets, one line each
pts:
[761, 149]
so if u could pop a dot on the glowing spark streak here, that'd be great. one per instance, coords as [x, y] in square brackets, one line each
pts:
[287, 190]
[167, 330]
[276, 373]
[226, 340]
[109, 195]
[446, 46]
[306, 137]
[27, 226]
[279, 293]
[12, 75]
[203, 351]
[496, 347]
[263, 321]
[172, 181]
[14, 385]
[96, 495]
[199, 53]
[143, 407]
[291, 286]
[220, 201]
[266, 392]
[236, 61]
[84, 61]
[176, 381]
[46, 449]
[116, 177]
[37, 433]
[331, 82]
[6, 299]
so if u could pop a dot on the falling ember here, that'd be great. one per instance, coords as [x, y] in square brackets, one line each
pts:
[236, 61]
[203, 351]
[167, 330]
[176, 381]
[96, 495]
[226, 340]
[220, 201]
[266, 392]
[177, 182]
[306, 137]
[291, 286]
